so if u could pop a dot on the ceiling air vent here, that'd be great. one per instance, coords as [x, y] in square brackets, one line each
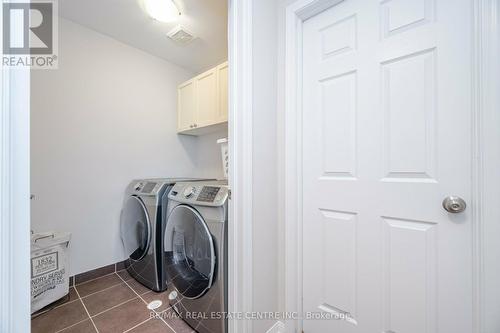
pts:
[180, 35]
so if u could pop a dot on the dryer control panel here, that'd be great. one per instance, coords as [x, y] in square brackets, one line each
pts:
[203, 193]
[208, 193]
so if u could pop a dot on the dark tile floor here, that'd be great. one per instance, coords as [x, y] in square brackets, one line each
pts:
[112, 303]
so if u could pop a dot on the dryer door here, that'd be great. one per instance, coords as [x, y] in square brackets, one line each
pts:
[135, 228]
[189, 252]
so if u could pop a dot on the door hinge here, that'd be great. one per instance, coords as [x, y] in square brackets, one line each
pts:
[229, 197]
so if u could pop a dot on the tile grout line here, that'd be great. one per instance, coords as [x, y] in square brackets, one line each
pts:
[157, 314]
[72, 325]
[97, 314]
[114, 306]
[135, 292]
[130, 329]
[56, 307]
[163, 320]
[115, 285]
[88, 314]
[91, 280]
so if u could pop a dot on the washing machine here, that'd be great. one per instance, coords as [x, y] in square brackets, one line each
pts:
[142, 224]
[196, 253]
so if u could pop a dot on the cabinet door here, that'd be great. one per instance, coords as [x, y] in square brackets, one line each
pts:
[206, 92]
[222, 92]
[186, 108]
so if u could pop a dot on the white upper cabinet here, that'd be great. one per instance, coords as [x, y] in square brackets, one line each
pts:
[186, 105]
[206, 98]
[222, 92]
[203, 102]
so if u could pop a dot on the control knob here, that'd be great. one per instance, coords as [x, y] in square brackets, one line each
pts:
[189, 192]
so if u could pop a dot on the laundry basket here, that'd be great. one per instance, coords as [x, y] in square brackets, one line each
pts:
[49, 268]
[225, 155]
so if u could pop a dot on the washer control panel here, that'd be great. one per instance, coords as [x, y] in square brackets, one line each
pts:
[145, 187]
[204, 194]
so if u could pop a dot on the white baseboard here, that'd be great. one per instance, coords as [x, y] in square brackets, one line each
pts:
[278, 327]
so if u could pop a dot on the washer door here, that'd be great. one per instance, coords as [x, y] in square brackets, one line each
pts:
[189, 252]
[135, 229]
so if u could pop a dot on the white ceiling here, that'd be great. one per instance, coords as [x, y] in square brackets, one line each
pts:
[125, 21]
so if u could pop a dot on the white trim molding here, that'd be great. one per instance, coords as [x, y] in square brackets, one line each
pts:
[486, 163]
[240, 231]
[15, 300]
[486, 159]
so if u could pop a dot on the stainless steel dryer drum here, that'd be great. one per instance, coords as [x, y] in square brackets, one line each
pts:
[142, 224]
[196, 254]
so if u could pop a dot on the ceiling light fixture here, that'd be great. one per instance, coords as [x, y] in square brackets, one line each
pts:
[161, 10]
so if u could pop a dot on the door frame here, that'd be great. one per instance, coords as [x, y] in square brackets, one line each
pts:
[240, 230]
[485, 106]
[15, 298]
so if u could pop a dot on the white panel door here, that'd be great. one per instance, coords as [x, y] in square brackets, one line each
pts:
[386, 137]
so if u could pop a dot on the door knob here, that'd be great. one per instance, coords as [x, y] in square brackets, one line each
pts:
[454, 205]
